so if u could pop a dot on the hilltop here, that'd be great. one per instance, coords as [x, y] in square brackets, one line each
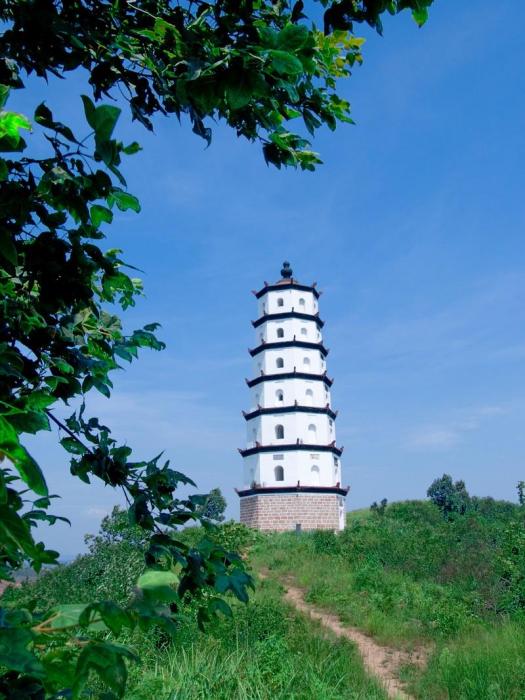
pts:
[443, 591]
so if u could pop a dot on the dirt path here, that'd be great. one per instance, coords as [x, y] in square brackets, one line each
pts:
[380, 661]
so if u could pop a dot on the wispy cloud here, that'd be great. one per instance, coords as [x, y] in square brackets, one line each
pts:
[447, 435]
[451, 334]
[156, 419]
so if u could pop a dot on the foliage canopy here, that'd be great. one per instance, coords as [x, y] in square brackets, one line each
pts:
[254, 64]
[451, 498]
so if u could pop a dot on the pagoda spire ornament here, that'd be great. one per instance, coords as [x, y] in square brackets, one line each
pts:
[286, 271]
[292, 464]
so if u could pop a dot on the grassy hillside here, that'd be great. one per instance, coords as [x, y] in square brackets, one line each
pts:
[405, 574]
[409, 577]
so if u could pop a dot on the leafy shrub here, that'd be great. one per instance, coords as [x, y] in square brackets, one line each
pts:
[379, 508]
[234, 536]
[451, 498]
[325, 542]
[109, 572]
[510, 567]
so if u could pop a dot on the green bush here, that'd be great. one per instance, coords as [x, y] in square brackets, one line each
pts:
[325, 542]
[234, 536]
[109, 572]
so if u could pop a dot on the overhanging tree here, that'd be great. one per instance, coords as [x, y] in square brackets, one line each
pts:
[254, 64]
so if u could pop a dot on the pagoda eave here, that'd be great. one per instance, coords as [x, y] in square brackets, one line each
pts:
[287, 284]
[288, 314]
[291, 447]
[290, 375]
[261, 490]
[295, 408]
[289, 344]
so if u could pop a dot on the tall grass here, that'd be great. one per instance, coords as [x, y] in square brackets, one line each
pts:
[487, 665]
[266, 652]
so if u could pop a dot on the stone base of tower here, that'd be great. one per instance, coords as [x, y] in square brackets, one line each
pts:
[279, 512]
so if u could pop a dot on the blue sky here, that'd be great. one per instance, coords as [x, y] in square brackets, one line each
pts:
[413, 228]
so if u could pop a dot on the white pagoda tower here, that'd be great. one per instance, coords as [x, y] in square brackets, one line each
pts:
[292, 466]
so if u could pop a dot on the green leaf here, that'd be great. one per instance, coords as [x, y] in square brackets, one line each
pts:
[106, 117]
[220, 605]
[69, 615]
[14, 652]
[7, 247]
[44, 117]
[238, 95]
[105, 659]
[39, 399]
[268, 36]
[4, 94]
[285, 63]
[292, 37]
[11, 123]
[132, 148]
[63, 366]
[30, 422]
[25, 465]
[66, 615]
[99, 214]
[113, 616]
[73, 446]
[123, 200]
[153, 579]
[420, 15]
[13, 528]
[8, 434]
[89, 111]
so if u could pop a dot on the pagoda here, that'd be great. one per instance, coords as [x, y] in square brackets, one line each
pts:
[292, 464]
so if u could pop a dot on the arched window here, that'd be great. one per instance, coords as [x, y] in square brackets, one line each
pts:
[314, 474]
[280, 301]
[279, 432]
[312, 430]
[306, 360]
[280, 333]
[279, 395]
[279, 362]
[261, 337]
[309, 396]
[304, 331]
[302, 302]
[279, 473]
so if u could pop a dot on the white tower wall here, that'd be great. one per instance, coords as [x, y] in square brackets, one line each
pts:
[307, 392]
[288, 359]
[318, 428]
[287, 329]
[290, 427]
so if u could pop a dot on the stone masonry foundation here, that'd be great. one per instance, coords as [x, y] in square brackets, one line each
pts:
[280, 512]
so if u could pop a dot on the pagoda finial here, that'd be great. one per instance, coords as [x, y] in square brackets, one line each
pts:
[286, 271]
